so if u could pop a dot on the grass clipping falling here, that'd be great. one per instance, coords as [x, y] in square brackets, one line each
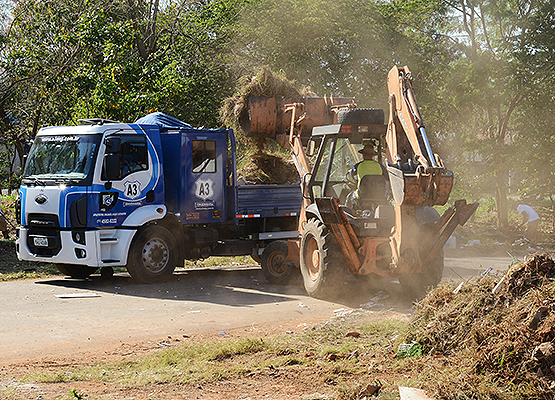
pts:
[262, 84]
[260, 160]
[502, 343]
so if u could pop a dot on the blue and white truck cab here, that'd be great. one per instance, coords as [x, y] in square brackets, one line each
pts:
[145, 196]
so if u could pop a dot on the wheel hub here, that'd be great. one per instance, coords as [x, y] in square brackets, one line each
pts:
[313, 258]
[277, 264]
[155, 255]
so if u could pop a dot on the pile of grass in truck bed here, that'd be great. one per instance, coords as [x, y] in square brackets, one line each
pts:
[261, 168]
[490, 345]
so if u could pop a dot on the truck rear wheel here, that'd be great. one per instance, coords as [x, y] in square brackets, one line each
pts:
[76, 271]
[276, 270]
[153, 255]
[319, 261]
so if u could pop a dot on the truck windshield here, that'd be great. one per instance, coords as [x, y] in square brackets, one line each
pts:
[57, 159]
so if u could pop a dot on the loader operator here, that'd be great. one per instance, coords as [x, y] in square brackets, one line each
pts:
[372, 177]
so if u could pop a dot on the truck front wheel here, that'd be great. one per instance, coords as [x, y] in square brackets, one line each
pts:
[276, 270]
[153, 255]
[320, 264]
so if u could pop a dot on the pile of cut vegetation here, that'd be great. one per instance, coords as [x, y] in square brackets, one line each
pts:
[259, 164]
[269, 169]
[498, 332]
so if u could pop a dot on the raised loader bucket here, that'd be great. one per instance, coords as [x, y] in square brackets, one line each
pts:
[261, 117]
[265, 117]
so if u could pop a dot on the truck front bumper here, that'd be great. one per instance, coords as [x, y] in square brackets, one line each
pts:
[98, 248]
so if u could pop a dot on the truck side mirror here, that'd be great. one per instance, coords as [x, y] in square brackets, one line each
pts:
[112, 167]
[112, 144]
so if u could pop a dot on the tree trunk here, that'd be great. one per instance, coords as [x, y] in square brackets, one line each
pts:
[502, 208]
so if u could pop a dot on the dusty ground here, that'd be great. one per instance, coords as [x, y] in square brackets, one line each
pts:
[291, 382]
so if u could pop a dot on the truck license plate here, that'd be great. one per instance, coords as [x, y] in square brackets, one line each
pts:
[40, 242]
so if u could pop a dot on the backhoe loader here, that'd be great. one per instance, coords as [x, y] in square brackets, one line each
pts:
[393, 231]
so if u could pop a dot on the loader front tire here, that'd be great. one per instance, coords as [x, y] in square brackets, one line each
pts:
[320, 261]
[153, 255]
[276, 270]
[417, 285]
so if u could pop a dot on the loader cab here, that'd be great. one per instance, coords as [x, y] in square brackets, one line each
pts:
[337, 156]
[332, 176]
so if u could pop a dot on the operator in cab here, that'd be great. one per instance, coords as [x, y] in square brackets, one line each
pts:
[371, 178]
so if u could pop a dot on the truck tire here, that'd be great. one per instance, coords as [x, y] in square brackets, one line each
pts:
[360, 116]
[153, 255]
[76, 271]
[320, 261]
[274, 267]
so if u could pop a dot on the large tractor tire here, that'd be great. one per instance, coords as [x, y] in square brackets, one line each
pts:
[76, 271]
[276, 270]
[153, 255]
[360, 116]
[321, 261]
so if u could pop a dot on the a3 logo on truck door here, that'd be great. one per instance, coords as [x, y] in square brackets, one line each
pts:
[132, 189]
[204, 189]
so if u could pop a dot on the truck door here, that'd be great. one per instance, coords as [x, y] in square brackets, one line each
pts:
[206, 183]
[135, 184]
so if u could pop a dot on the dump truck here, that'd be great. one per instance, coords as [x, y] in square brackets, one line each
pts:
[143, 196]
[395, 232]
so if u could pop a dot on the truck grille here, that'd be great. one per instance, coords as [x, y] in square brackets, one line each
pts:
[43, 238]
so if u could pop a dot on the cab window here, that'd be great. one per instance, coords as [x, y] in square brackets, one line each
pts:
[204, 156]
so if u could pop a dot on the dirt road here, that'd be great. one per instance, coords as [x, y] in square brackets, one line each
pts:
[60, 317]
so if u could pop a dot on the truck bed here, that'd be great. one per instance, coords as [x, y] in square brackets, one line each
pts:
[264, 201]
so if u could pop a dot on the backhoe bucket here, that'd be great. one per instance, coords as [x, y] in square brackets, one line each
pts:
[412, 189]
[265, 117]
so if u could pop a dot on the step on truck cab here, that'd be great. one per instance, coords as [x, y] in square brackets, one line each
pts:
[145, 196]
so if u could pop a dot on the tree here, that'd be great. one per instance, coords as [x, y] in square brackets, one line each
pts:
[489, 90]
[64, 60]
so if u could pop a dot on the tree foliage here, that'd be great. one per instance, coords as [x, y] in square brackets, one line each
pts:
[64, 60]
[483, 70]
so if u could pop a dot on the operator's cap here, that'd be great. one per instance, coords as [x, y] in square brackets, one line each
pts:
[368, 150]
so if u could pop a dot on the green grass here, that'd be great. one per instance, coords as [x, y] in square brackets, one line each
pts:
[12, 269]
[307, 355]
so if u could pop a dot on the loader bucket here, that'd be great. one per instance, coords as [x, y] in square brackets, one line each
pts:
[265, 117]
[261, 117]
[410, 189]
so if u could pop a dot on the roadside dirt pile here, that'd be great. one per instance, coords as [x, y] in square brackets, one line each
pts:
[258, 164]
[501, 329]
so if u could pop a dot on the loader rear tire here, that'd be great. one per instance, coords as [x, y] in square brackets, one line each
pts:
[274, 267]
[153, 255]
[76, 271]
[321, 261]
[360, 116]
